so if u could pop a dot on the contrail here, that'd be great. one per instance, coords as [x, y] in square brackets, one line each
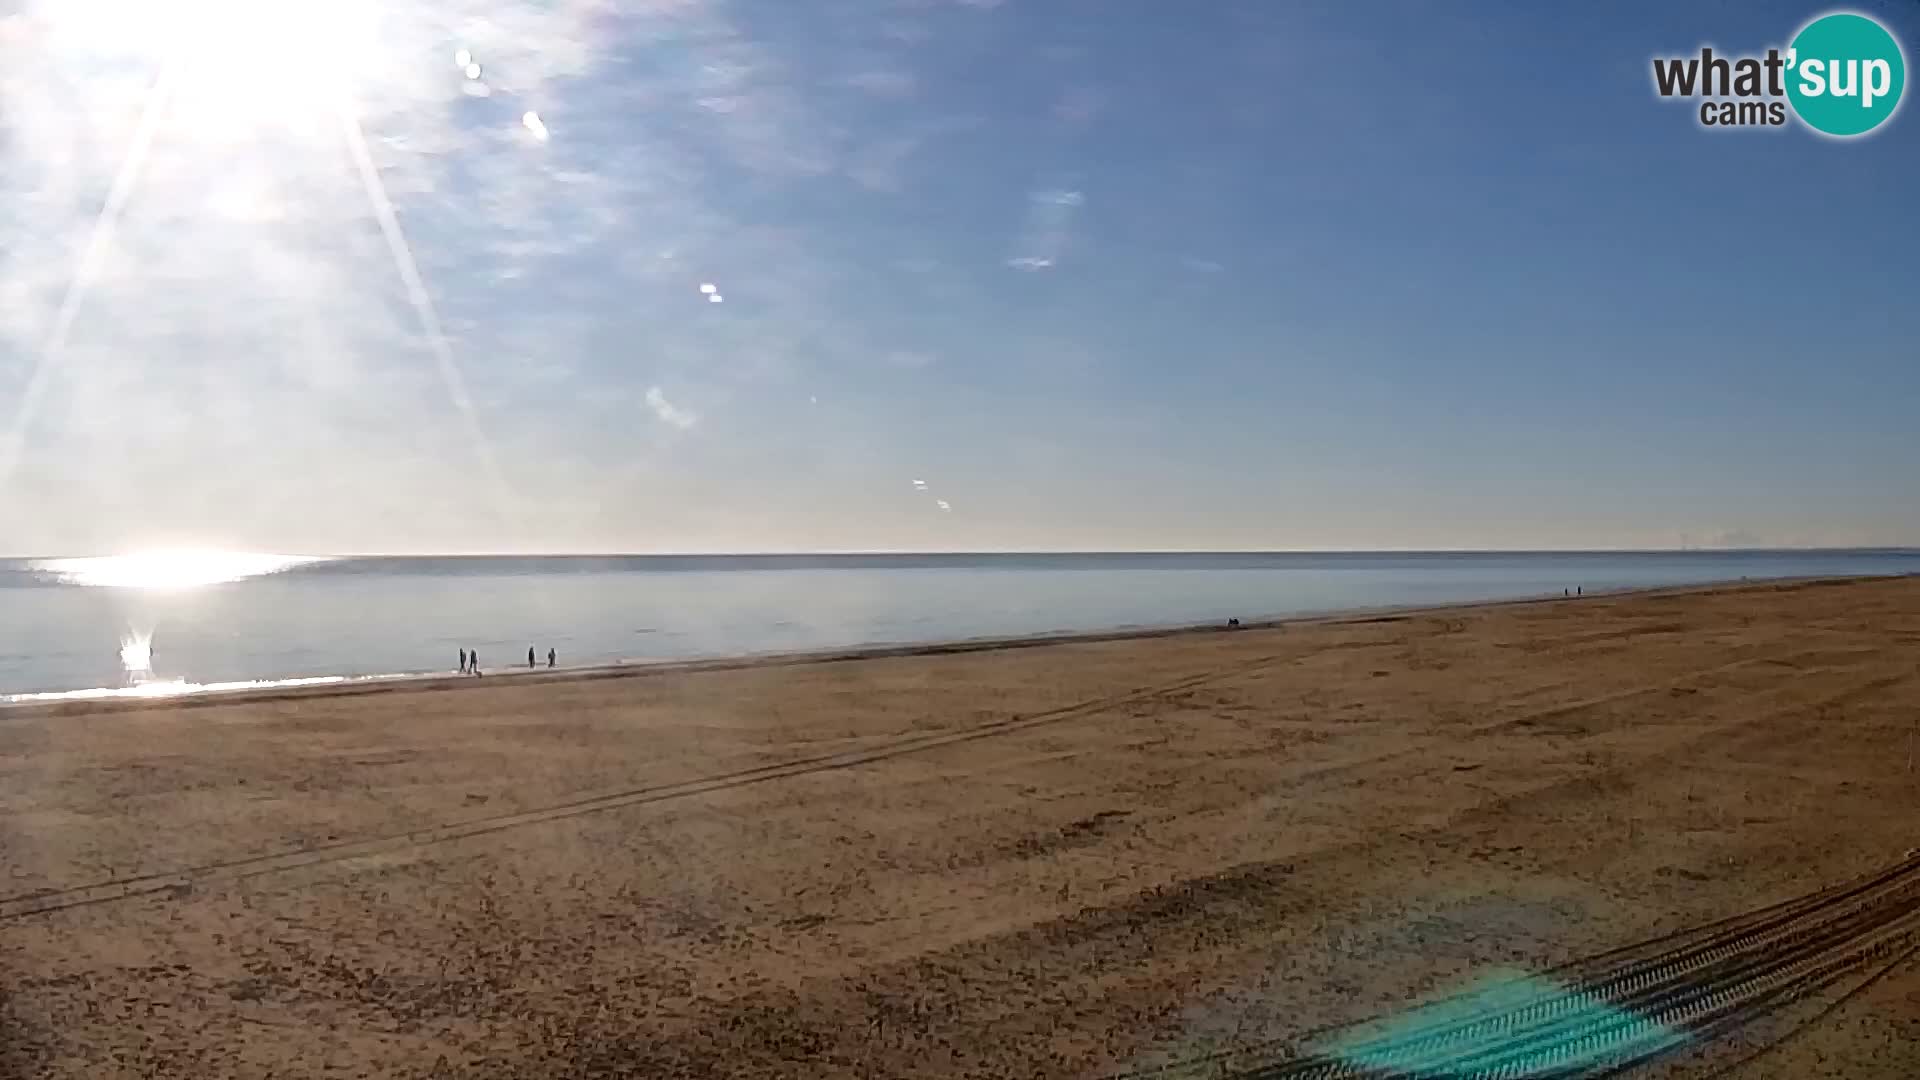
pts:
[417, 293]
[98, 242]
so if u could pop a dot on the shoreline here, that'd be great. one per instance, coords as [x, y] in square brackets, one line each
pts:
[1129, 858]
[72, 703]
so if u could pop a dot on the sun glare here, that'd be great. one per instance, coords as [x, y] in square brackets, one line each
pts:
[169, 569]
[136, 654]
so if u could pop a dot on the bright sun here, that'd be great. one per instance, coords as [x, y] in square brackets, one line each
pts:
[238, 60]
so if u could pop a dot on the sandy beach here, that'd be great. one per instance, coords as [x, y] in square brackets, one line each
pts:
[1080, 858]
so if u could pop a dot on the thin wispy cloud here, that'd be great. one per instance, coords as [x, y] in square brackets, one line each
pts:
[881, 166]
[1047, 230]
[667, 411]
[1080, 105]
[884, 83]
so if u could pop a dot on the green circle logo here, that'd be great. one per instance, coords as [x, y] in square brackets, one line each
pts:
[1845, 74]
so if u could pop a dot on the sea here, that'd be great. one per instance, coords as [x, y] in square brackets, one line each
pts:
[181, 623]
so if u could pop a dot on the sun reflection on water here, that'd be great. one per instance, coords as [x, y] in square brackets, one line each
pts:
[166, 688]
[136, 655]
[169, 569]
[163, 571]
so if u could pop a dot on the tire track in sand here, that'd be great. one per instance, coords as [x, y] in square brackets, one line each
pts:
[1613, 1011]
[182, 881]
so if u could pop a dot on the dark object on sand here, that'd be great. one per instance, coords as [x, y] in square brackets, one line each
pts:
[463, 661]
[1233, 624]
[529, 657]
[550, 657]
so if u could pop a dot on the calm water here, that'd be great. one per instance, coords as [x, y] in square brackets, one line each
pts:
[359, 617]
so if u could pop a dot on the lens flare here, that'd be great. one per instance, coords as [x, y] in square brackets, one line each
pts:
[136, 654]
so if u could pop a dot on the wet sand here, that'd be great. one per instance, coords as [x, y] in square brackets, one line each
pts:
[1066, 859]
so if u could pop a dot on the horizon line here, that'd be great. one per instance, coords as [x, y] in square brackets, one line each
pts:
[943, 553]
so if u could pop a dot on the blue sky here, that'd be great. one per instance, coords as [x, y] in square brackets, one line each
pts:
[1118, 274]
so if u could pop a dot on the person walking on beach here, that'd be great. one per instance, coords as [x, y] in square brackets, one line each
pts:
[473, 661]
[529, 658]
[550, 657]
[463, 661]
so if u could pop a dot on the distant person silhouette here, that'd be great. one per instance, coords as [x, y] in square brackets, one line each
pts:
[529, 657]
[550, 657]
[463, 661]
[473, 661]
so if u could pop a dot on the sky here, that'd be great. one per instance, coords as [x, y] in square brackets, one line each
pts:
[698, 275]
